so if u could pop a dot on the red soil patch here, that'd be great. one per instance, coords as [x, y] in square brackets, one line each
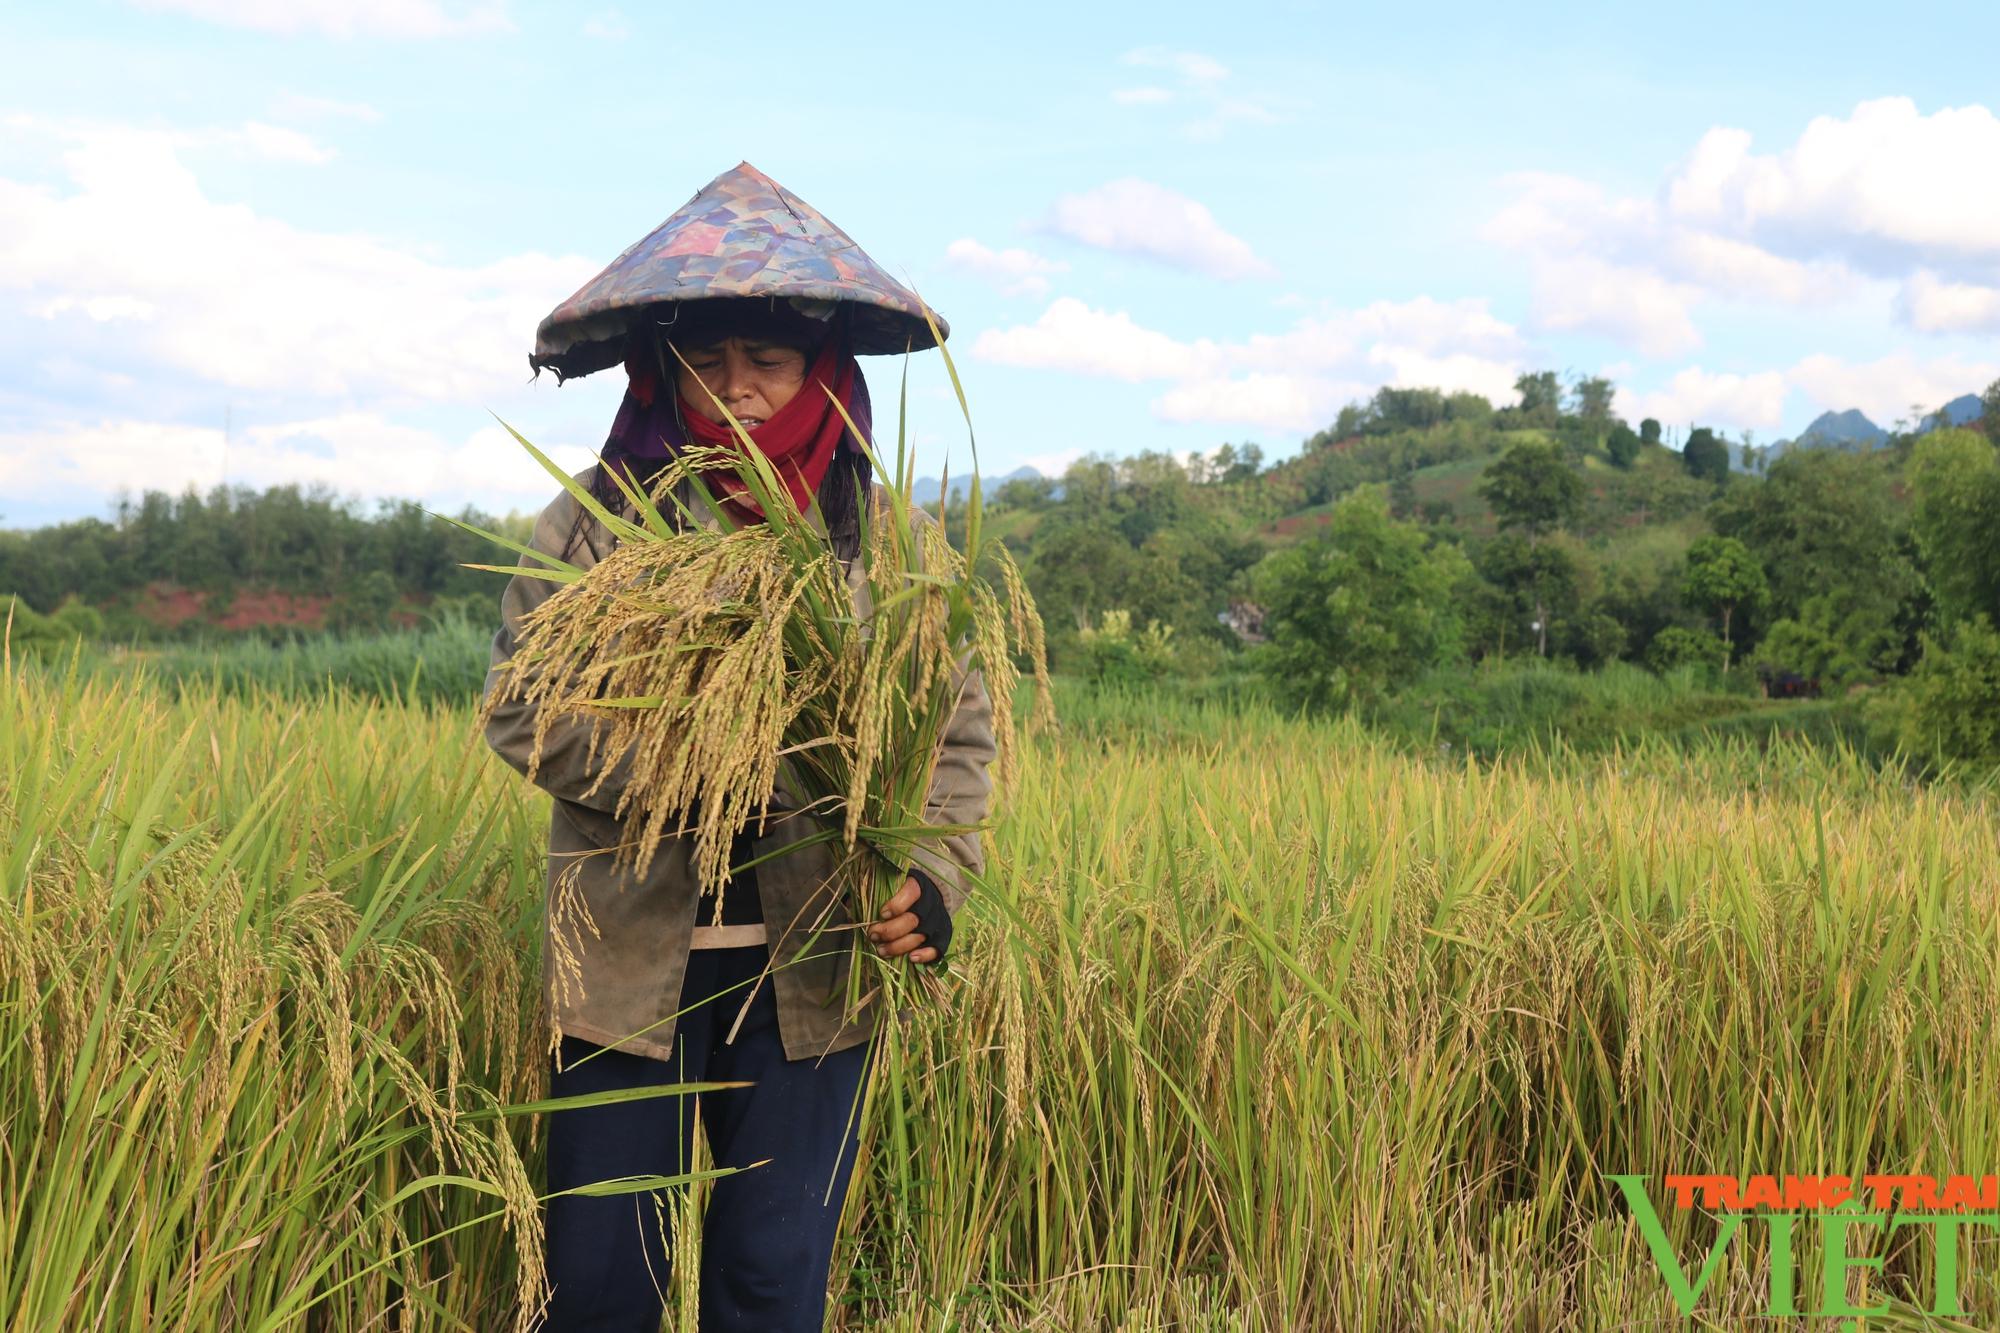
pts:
[1292, 523]
[170, 607]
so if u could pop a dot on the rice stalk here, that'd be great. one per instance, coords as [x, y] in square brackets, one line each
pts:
[719, 660]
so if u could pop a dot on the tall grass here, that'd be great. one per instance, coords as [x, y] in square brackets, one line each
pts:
[262, 993]
[1270, 1025]
[1280, 1028]
[443, 662]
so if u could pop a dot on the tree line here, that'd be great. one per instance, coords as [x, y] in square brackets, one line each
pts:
[301, 541]
[1420, 530]
[1426, 529]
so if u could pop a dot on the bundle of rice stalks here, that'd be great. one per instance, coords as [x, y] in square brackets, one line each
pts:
[720, 659]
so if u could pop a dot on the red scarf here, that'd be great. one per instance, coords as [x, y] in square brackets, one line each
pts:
[799, 438]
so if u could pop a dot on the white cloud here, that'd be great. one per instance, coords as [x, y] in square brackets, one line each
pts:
[344, 18]
[1624, 269]
[107, 456]
[1203, 89]
[1192, 66]
[355, 453]
[278, 144]
[1070, 336]
[608, 26]
[1227, 111]
[235, 299]
[1930, 304]
[1722, 399]
[1294, 380]
[1884, 192]
[1408, 368]
[102, 309]
[1889, 388]
[1279, 402]
[1132, 216]
[1630, 305]
[300, 106]
[1054, 463]
[1883, 187]
[1730, 267]
[1014, 271]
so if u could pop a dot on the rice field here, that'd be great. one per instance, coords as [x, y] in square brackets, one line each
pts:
[1262, 1024]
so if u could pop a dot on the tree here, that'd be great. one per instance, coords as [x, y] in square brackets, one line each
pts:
[1706, 456]
[1829, 532]
[1622, 445]
[1954, 480]
[1403, 495]
[1593, 399]
[1540, 576]
[1025, 492]
[1245, 463]
[1541, 398]
[1676, 646]
[1638, 584]
[1362, 604]
[1467, 406]
[1533, 490]
[1406, 409]
[1835, 639]
[364, 607]
[1078, 570]
[1649, 431]
[1348, 424]
[1596, 637]
[1953, 696]
[1989, 411]
[1721, 576]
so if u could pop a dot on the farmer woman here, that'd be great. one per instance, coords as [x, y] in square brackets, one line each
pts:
[749, 295]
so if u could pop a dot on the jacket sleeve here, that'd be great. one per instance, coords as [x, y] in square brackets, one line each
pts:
[566, 770]
[961, 789]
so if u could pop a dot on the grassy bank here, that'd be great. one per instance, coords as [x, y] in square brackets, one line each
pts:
[1265, 1023]
[441, 663]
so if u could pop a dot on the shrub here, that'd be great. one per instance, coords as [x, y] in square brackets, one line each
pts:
[1677, 647]
[34, 634]
[1114, 654]
[1595, 638]
[1951, 702]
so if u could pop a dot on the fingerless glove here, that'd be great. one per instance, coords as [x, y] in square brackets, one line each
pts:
[933, 918]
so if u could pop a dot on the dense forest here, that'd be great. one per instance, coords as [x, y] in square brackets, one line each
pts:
[286, 559]
[1421, 533]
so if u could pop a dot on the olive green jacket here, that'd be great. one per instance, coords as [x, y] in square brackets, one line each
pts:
[615, 977]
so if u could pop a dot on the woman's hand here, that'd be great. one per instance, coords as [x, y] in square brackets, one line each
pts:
[896, 934]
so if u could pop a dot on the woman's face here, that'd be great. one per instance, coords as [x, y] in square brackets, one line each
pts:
[752, 377]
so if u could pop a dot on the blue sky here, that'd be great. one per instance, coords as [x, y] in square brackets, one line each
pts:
[335, 225]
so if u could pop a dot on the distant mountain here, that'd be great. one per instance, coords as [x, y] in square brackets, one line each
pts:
[925, 491]
[1851, 431]
[1955, 413]
[1848, 430]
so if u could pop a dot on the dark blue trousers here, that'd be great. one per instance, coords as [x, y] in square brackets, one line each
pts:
[766, 1238]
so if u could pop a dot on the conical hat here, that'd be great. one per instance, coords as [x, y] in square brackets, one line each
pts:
[742, 235]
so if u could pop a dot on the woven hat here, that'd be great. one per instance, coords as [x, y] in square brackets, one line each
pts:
[742, 235]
